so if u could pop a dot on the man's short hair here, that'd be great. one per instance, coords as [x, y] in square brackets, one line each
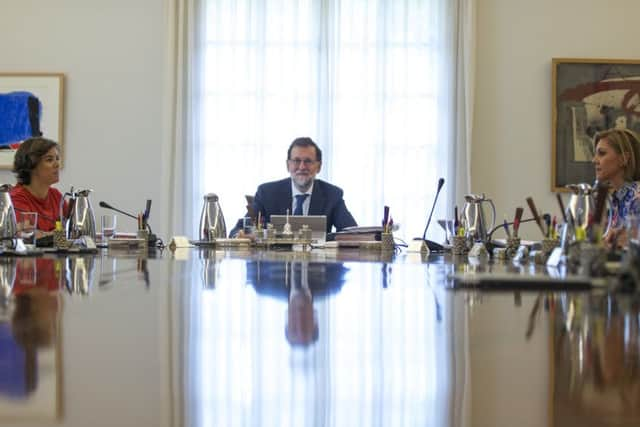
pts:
[305, 142]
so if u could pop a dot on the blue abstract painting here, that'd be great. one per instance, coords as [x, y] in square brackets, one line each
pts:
[20, 114]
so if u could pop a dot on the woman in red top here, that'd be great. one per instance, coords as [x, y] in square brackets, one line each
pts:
[37, 166]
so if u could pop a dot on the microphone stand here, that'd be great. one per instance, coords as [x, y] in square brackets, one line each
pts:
[152, 237]
[106, 206]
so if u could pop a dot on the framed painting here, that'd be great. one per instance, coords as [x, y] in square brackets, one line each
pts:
[589, 95]
[31, 104]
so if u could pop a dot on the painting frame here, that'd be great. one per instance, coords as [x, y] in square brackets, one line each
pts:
[49, 90]
[588, 95]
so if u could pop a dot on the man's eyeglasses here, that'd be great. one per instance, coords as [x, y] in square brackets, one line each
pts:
[297, 162]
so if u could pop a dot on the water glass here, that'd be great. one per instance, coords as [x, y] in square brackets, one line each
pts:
[27, 223]
[247, 225]
[108, 224]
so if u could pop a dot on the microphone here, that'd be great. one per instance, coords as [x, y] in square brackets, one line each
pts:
[108, 206]
[152, 237]
[433, 246]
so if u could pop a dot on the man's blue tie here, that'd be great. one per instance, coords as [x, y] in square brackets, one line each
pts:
[300, 198]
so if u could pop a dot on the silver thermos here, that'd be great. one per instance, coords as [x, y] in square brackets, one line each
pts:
[212, 224]
[8, 227]
[81, 220]
[475, 217]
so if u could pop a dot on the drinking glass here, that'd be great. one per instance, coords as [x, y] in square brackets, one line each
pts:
[247, 225]
[27, 223]
[108, 224]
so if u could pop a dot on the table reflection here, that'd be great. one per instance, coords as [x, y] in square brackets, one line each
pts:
[30, 350]
[299, 282]
[301, 342]
[273, 338]
[597, 361]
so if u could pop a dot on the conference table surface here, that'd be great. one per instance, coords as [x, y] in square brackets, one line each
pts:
[246, 337]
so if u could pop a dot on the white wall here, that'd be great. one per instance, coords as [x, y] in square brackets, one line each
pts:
[511, 155]
[113, 56]
[516, 39]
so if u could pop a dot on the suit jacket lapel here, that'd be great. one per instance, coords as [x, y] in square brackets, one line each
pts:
[318, 199]
[285, 202]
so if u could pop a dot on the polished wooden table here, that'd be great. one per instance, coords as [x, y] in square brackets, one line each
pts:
[205, 337]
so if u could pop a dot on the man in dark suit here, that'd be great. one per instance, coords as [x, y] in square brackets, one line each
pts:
[302, 193]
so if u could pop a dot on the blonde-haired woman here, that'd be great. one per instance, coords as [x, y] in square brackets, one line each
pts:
[617, 163]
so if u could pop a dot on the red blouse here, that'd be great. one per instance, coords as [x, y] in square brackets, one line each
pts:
[48, 209]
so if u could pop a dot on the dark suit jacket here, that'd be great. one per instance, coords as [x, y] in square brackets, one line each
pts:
[274, 198]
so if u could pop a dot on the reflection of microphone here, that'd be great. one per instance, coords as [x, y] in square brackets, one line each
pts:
[433, 246]
[108, 206]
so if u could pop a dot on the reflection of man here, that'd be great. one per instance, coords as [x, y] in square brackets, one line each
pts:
[301, 283]
[302, 325]
[302, 194]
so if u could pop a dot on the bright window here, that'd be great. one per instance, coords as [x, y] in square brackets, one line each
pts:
[362, 78]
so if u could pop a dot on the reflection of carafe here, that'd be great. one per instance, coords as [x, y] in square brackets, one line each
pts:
[209, 268]
[7, 278]
[212, 224]
[8, 226]
[81, 220]
[80, 274]
[476, 218]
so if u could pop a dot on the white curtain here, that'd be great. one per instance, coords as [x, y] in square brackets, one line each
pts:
[384, 87]
[187, 26]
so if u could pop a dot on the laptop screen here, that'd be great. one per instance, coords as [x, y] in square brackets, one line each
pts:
[317, 224]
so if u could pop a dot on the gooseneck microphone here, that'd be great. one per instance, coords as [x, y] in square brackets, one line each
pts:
[152, 237]
[108, 206]
[433, 246]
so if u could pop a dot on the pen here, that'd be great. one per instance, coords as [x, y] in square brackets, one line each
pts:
[456, 222]
[385, 217]
[535, 213]
[516, 221]
[505, 224]
[547, 222]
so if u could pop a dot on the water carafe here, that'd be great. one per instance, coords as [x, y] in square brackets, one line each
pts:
[212, 224]
[81, 220]
[476, 218]
[581, 203]
[8, 226]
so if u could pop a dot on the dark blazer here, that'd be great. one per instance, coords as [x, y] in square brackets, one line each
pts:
[274, 198]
